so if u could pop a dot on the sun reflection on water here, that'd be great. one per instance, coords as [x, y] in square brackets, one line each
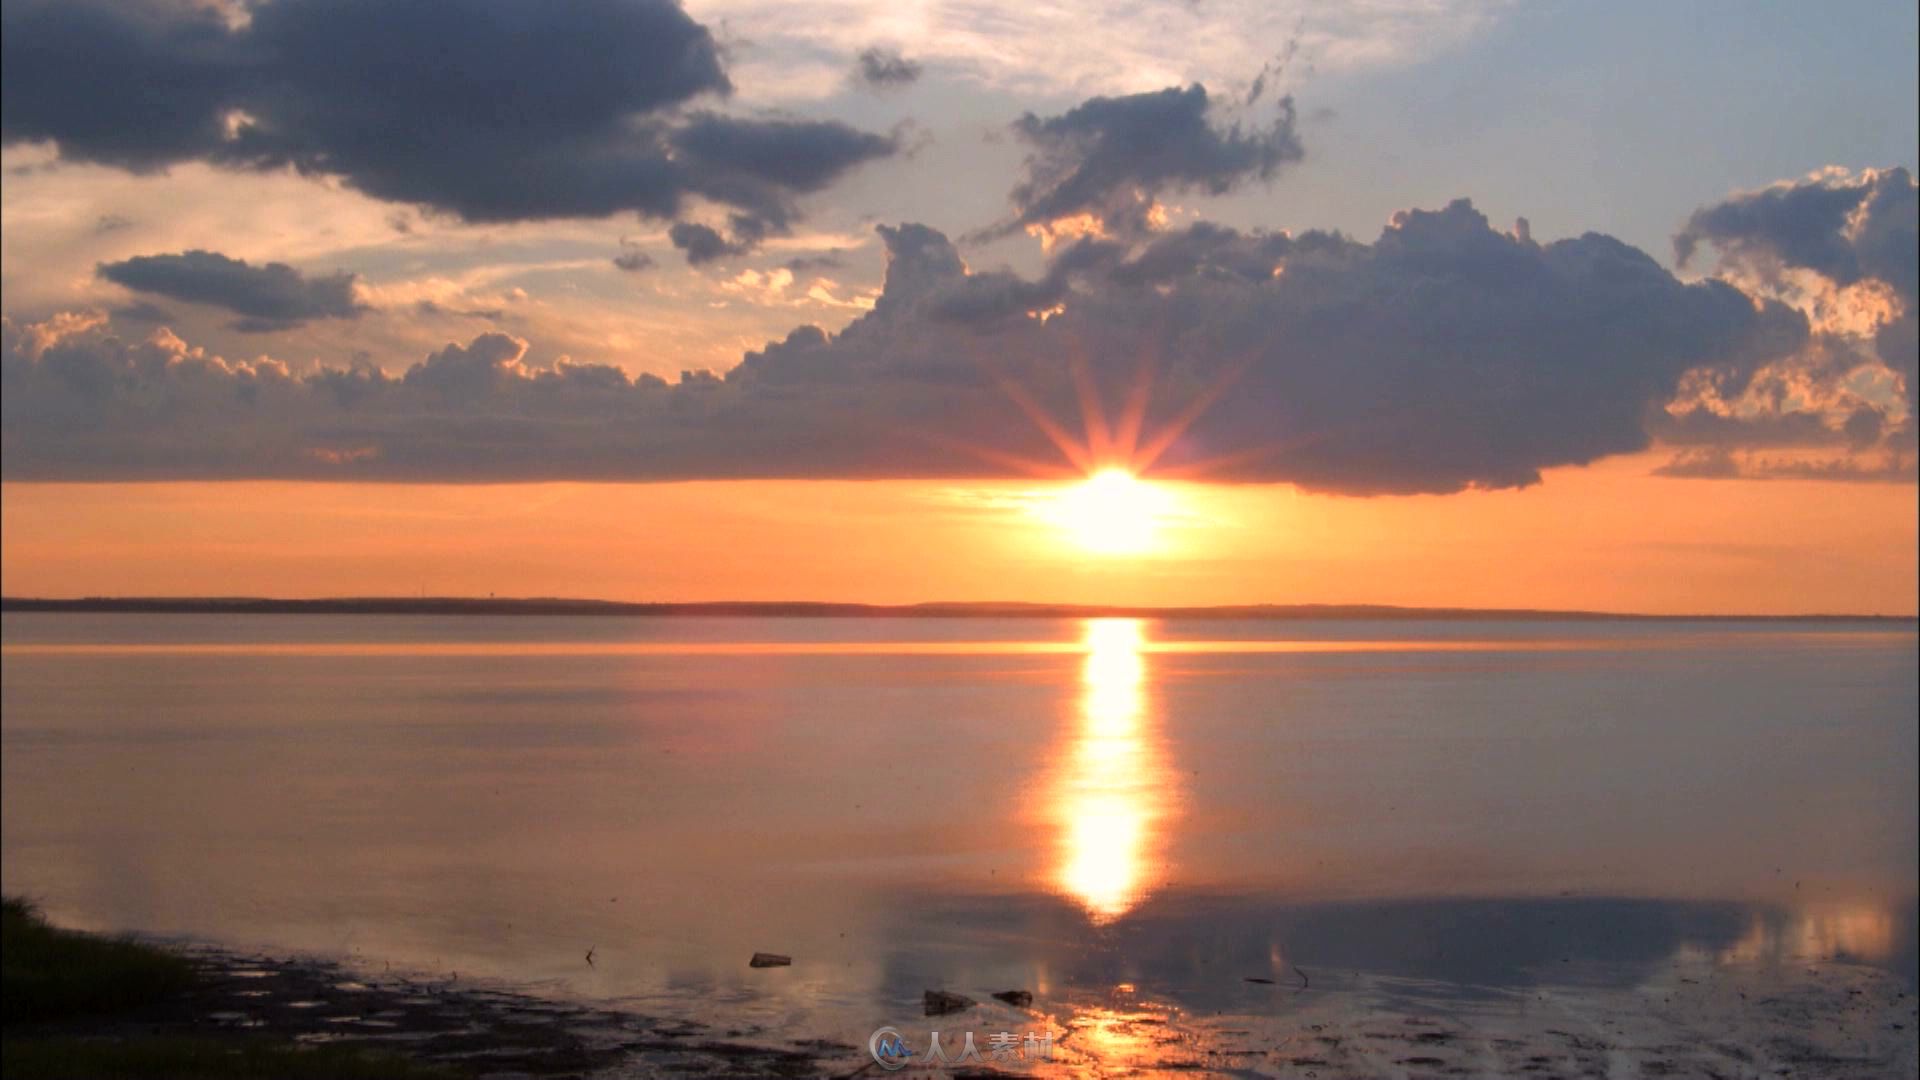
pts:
[1112, 797]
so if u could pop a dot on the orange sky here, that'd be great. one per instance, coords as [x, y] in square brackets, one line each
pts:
[1608, 537]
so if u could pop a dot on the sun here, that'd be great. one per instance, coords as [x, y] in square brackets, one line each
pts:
[1112, 512]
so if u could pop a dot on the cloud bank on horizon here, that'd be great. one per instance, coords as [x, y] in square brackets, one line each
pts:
[1444, 355]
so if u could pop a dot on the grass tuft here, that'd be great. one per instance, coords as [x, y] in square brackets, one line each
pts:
[49, 974]
[202, 1059]
[52, 974]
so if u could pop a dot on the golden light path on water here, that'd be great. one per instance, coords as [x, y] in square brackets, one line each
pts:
[1112, 798]
[1140, 647]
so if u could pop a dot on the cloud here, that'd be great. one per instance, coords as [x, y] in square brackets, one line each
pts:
[1845, 247]
[1844, 227]
[705, 244]
[632, 259]
[270, 297]
[807, 264]
[1720, 463]
[1444, 355]
[137, 85]
[1109, 157]
[1071, 49]
[885, 69]
[141, 311]
[491, 110]
[759, 166]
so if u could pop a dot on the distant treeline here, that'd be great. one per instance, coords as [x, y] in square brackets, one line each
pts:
[453, 605]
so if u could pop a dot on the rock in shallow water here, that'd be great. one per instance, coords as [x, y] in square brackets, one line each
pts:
[940, 1003]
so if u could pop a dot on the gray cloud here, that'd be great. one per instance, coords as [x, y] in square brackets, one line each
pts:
[1444, 355]
[141, 311]
[704, 243]
[807, 264]
[270, 297]
[1721, 463]
[1843, 229]
[492, 110]
[1109, 156]
[137, 85]
[632, 259]
[885, 69]
[434, 309]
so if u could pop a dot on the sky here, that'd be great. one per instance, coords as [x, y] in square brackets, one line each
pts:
[1520, 305]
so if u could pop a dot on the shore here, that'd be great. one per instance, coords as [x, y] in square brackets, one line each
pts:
[467, 1031]
[1699, 1018]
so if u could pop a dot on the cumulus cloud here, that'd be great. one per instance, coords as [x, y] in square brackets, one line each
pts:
[270, 297]
[492, 110]
[1109, 157]
[1845, 247]
[882, 68]
[1844, 227]
[1444, 355]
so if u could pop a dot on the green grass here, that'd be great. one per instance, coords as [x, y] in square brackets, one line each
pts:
[51, 974]
[200, 1059]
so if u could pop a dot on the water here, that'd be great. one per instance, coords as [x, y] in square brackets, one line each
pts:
[903, 804]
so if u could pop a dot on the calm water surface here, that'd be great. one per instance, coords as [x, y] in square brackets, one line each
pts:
[901, 804]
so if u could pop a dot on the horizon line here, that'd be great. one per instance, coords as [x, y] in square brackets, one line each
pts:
[560, 606]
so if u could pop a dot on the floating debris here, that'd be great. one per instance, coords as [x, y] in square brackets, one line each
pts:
[768, 959]
[1019, 999]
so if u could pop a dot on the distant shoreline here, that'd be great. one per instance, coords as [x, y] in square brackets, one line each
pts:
[378, 605]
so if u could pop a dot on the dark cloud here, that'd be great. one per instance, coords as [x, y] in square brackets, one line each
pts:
[633, 260]
[704, 243]
[1208, 250]
[759, 166]
[885, 69]
[1720, 463]
[808, 264]
[1845, 228]
[434, 309]
[1834, 231]
[1110, 156]
[790, 155]
[493, 110]
[141, 312]
[1444, 355]
[1272, 70]
[126, 83]
[270, 297]
[1700, 429]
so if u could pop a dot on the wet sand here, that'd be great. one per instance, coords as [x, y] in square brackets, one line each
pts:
[1829, 1021]
[1824, 1020]
[486, 1030]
